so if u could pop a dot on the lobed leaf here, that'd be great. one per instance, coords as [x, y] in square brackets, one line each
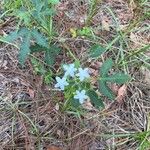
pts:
[48, 12]
[95, 99]
[107, 65]
[75, 103]
[97, 50]
[11, 37]
[23, 32]
[105, 90]
[40, 39]
[37, 48]
[119, 78]
[23, 15]
[51, 54]
[24, 49]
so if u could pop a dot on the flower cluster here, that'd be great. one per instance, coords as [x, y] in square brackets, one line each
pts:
[72, 74]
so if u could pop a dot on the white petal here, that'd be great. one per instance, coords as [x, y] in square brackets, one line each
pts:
[56, 85]
[83, 92]
[57, 79]
[65, 67]
[72, 65]
[62, 87]
[81, 101]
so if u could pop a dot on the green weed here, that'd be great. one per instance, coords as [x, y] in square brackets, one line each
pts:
[40, 13]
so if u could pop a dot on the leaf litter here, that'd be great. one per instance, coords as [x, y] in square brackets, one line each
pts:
[88, 134]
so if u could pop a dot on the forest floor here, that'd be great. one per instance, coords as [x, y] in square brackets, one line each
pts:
[30, 117]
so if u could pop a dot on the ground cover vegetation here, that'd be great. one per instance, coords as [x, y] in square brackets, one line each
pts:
[74, 75]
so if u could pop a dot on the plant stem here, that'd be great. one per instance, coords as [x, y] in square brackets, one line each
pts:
[92, 12]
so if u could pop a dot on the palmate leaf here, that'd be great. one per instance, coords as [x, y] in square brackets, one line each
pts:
[41, 44]
[49, 59]
[97, 50]
[107, 65]
[37, 48]
[23, 15]
[40, 39]
[11, 37]
[42, 9]
[23, 32]
[118, 78]
[37, 4]
[51, 54]
[105, 90]
[75, 103]
[95, 99]
[49, 12]
[24, 49]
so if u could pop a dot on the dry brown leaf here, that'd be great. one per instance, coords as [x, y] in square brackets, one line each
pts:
[121, 93]
[57, 106]
[105, 25]
[115, 88]
[132, 5]
[53, 148]
[133, 37]
[25, 83]
[146, 74]
[31, 92]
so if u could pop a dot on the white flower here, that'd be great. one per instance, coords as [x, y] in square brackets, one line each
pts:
[61, 83]
[70, 70]
[81, 96]
[83, 74]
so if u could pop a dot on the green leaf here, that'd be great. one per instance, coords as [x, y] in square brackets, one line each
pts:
[107, 65]
[37, 48]
[49, 12]
[85, 31]
[54, 2]
[118, 78]
[105, 90]
[49, 59]
[95, 99]
[11, 37]
[23, 15]
[40, 39]
[75, 103]
[51, 54]
[24, 49]
[38, 5]
[23, 32]
[97, 50]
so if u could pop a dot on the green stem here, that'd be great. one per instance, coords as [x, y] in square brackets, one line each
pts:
[92, 12]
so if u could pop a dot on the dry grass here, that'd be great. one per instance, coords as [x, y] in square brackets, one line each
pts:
[30, 118]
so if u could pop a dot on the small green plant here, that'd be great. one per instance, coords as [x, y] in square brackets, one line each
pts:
[143, 140]
[85, 31]
[76, 83]
[12, 4]
[40, 69]
[36, 18]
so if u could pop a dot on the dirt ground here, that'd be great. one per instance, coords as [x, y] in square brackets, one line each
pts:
[30, 118]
